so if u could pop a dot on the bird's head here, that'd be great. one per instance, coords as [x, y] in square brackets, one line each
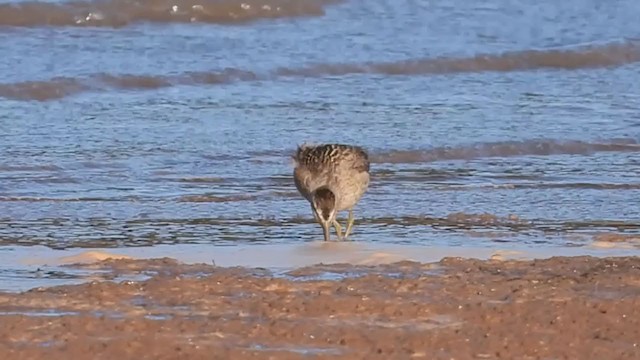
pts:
[324, 207]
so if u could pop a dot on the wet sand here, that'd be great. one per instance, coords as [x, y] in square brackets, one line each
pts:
[457, 308]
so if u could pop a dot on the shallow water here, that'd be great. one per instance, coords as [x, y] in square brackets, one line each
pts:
[28, 267]
[152, 122]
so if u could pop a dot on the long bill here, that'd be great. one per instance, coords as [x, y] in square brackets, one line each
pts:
[325, 230]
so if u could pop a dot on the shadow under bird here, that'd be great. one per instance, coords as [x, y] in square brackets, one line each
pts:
[333, 178]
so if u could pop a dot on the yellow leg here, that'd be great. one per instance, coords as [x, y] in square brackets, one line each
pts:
[349, 224]
[338, 227]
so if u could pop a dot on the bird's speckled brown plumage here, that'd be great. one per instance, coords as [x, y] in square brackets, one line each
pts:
[341, 169]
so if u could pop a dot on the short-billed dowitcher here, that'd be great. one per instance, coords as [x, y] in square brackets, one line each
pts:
[333, 178]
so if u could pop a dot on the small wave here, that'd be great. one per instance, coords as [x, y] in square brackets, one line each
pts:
[119, 13]
[616, 237]
[590, 186]
[61, 87]
[55, 88]
[49, 199]
[202, 180]
[101, 165]
[537, 186]
[216, 199]
[457, 220]
[19, 168]
[483, 219]
[594, 56]
[63, 233]
[612, 54]
[506, 149]
[236, 198]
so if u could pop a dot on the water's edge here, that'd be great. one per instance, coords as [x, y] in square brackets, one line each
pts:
[25, 268]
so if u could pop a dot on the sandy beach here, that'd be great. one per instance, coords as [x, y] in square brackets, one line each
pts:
[566, 307]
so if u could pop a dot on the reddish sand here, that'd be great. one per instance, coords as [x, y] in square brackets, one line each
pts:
[560, 308]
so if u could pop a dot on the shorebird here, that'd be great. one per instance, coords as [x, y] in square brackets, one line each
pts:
[333, 178]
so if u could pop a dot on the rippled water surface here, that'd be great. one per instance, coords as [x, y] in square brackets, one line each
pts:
[126, 123]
